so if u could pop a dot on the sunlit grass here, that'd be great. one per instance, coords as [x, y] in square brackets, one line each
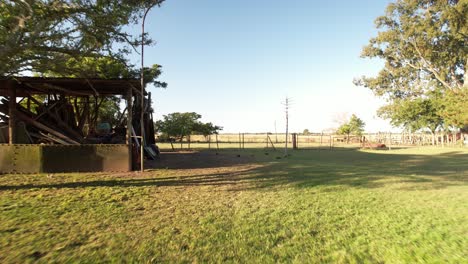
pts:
[399, 206]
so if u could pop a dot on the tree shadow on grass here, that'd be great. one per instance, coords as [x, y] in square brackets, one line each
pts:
[218, 179]
[369, 170]
[198, 160]
[303, 169]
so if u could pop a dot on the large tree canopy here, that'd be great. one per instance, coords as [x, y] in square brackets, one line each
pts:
[423, 44]
[455, 111]
[44, 35]
[414, 114]
[179, 125]
[355, 126]
[107, 67]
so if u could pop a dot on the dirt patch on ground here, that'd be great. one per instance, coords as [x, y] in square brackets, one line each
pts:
[198, 160]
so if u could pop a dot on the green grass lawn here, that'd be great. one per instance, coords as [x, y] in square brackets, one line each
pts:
[343, 206]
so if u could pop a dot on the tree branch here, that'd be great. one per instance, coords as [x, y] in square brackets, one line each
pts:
[465, 76]
[430, 68]
[454, 78]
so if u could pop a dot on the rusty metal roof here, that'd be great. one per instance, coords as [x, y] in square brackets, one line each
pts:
[69, 86]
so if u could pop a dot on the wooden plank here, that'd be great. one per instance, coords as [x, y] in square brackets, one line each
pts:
[57, 119]
[62, 89]
[33, 122]
[49, 137]
[47, 111]
[65, 126]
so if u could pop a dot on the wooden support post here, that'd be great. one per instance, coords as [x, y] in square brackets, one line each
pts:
[129, 129]
[390, 141]
[243, 140]
[11, 113]
[294, 140]
[321, 139]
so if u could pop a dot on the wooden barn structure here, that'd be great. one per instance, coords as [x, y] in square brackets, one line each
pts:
[51, 125]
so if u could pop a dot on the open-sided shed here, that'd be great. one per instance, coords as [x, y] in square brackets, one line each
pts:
[50, 125]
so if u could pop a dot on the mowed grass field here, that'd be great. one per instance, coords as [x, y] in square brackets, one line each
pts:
[344, 206]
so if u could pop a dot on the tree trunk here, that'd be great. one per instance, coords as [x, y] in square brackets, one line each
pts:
[433, 138]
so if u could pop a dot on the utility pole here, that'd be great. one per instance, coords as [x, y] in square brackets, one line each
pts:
[286, 105]
[142, 83]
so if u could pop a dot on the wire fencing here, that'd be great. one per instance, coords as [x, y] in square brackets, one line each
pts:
[313, 140]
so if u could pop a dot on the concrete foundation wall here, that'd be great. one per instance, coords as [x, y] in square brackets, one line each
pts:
[59, 158]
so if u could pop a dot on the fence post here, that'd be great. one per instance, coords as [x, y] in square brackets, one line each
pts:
[294, 140]
[243, 140]
[321, 140]
[390, 141]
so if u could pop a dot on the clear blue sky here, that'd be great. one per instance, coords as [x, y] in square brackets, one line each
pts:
[234, 62]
